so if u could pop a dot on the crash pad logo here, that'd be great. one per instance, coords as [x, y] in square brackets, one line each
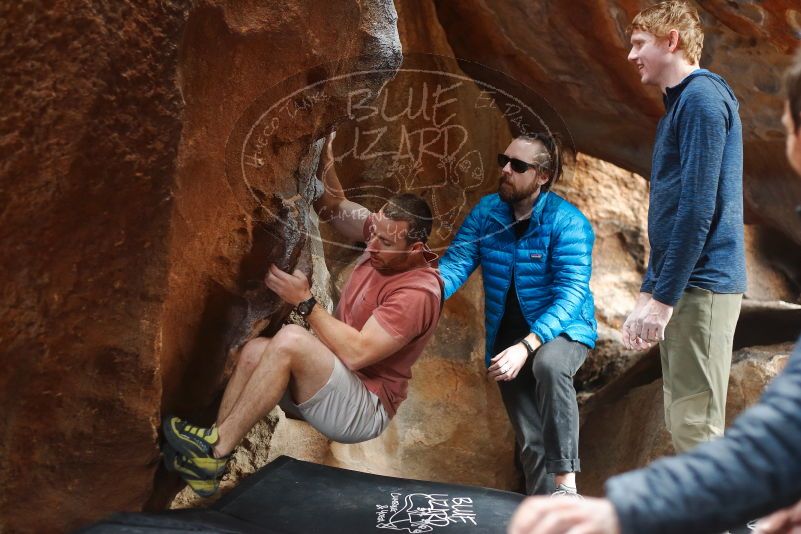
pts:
[417, 513]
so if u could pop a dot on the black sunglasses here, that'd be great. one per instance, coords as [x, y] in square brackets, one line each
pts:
[518, 165]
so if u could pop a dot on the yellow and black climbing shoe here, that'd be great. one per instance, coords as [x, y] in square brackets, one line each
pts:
[187, 440]
[202, 474]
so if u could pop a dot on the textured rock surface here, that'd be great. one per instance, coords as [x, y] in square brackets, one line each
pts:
[147, 181]
[432, 132]
[91, 124]
[760, 323]
[581, 69]
[630, 432]
[453, 426]
[133, 249]
[774, 266]
[616, 203]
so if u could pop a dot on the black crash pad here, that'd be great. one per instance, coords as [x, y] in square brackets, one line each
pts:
[289, 496]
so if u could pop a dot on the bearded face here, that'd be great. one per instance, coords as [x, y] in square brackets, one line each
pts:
[512, 191]
[516, 186]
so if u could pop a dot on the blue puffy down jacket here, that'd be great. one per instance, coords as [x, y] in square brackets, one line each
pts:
[551, 264]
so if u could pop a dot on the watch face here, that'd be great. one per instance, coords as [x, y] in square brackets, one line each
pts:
[305, 307]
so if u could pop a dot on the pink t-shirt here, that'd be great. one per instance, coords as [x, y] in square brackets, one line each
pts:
[406, 305]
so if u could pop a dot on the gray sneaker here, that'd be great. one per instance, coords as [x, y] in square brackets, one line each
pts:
[566, 491]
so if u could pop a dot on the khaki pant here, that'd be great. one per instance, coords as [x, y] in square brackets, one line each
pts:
[343, 410]
[696, 360]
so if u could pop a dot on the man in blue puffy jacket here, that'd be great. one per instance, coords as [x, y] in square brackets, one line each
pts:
[535, 252]
[754, 469]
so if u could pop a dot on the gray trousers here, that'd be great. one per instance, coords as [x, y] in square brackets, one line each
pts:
[542, 407]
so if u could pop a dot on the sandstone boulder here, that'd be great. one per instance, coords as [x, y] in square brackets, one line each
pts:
[143, 195]
[581, 69]
[616, 203]
[774, 266]
[630, 432]
[154, 167]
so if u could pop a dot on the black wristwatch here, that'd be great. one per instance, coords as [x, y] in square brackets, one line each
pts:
[528, 346]
[305, 308]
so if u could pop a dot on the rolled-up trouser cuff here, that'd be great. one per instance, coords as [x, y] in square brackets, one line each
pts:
[567, 465]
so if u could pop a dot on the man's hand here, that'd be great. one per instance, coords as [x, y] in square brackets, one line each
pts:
[325, 168]
[333, 207]
[631, 340]
[785, 521]
[291, 288]
[652, 320]
[507, 364]
[557, 515]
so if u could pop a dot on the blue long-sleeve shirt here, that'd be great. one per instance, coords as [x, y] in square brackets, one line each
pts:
[753, 470]
[695, 217]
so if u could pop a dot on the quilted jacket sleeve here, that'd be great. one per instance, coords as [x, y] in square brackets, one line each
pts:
[462, 256]
[571, 262]
[753, 470]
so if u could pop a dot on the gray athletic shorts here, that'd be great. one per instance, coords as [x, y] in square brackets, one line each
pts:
[343, 410]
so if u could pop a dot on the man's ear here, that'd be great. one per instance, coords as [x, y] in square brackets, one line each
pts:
[543, 178]
[673, 40]
[417, 246]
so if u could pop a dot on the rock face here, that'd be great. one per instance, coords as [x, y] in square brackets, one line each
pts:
[616, 203]
[139, 212]
[581, 69]
[439, 139]
[158, 157]
[90, 131]
[433, 132]
[774, 266]
[630, 432]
